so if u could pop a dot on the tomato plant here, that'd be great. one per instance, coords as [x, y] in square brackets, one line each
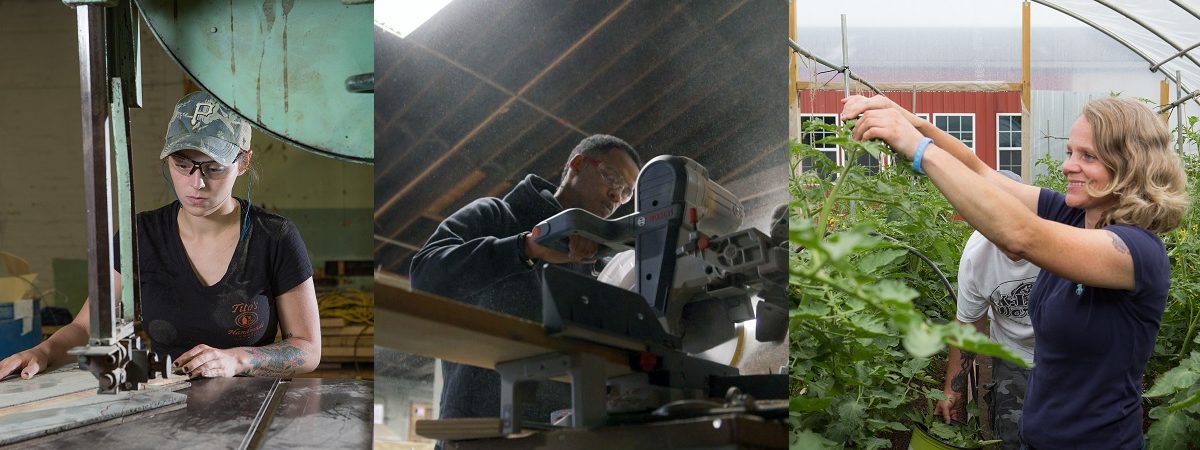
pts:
[872, 299]
[1174, 396]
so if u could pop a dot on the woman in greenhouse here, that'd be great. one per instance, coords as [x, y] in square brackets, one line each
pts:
[1097, 305]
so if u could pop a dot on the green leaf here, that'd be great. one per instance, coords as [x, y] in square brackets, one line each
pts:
[923, 340]
[874, 261]
[876, 443]
[840, 245]
[807, 404]
[968, 339]
[847, 421]
[809, 310]
[936, 394]
[894, 291]
[1181, 377]
[840, 141]
[867, 326]
[876, 148]
[1169, 432]
[943, 431]
[808, 440]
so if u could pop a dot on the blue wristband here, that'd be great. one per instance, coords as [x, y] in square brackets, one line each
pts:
[919, 154]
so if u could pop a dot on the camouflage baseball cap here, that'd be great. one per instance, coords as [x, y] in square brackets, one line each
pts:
[203, 123]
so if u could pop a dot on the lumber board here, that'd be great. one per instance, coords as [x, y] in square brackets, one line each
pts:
[56, 383]
[366, 340]
[437, 327]
[367, 373]
[351, 352]
[349, 330]
[726, 431]
[80, 412]
[332, 322]
[460, 428]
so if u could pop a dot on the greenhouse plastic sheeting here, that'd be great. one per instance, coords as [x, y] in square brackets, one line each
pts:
[1140, 35]
[1165, 29]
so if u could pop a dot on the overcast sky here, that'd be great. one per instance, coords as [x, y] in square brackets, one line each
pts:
[908, 13]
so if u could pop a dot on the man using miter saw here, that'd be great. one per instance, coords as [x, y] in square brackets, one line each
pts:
[484, 255]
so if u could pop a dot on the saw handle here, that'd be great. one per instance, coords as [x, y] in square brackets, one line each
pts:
[614, 235]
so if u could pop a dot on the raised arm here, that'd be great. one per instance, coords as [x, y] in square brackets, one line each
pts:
[465, 243]
[854, 106]
[1004, 219]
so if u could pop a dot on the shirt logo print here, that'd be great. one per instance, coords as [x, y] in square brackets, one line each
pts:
[1015, 302]
[246, 315]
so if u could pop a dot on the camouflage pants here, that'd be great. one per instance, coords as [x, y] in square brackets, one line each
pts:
[1005, 397]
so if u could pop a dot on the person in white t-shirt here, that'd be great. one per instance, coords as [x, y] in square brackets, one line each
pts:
[996, 284]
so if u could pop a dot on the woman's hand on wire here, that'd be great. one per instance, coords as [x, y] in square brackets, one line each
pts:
[203, 361]
[891, 126]
[855, 105]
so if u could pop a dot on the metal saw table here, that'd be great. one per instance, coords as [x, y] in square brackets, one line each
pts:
[484, 338]
[317, 413]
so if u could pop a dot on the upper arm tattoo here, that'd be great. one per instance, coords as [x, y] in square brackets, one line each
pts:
[1118, 243]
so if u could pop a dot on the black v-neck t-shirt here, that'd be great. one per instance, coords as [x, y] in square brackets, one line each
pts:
[180, 312]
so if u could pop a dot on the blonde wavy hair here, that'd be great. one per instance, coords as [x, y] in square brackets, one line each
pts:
[1147, 177]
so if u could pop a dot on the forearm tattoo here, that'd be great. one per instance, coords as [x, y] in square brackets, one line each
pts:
[281, 359]
[958, 384]
[1118, 243]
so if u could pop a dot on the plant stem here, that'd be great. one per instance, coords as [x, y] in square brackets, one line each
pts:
[823, 219]
[1191, 332]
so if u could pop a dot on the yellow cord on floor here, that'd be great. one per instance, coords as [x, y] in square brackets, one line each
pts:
[353, 305]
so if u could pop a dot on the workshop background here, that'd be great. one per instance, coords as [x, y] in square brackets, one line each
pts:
[483, 93]
[41, 177]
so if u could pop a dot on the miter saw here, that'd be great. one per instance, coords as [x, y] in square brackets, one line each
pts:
[694, 274]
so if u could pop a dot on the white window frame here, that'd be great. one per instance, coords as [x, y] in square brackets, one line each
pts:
[1018, 148]
[974, 127]
[837, 158]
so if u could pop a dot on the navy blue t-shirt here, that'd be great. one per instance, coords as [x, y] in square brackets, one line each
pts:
[1086, 385]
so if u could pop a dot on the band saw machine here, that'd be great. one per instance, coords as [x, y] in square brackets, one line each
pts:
[241, 53]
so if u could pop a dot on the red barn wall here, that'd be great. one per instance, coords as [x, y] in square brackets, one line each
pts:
[985, 106]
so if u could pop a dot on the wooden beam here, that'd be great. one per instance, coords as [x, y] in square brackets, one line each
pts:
[925, 86]
[433, 168]
[1026, 126]
[793, 76]
[1164, 98]
[437, 327]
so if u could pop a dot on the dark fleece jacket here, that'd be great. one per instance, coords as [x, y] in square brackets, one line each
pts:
[473, 257]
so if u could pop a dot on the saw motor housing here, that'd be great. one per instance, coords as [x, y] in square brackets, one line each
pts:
[693, 266]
